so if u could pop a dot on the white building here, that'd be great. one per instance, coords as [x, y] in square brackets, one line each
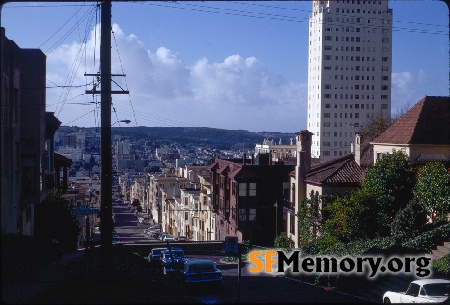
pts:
[349, 71]
[123, 148]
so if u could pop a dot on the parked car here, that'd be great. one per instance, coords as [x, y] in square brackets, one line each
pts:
[169, 265]
[181, 238]
[161, 235]
[168, 237]
[155, 227]
[421, 291]
[115, 237]
[153, 234]
[201, 272]
[154, 256]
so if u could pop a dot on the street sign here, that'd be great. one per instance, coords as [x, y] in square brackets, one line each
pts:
[231, 245]
[84, 210]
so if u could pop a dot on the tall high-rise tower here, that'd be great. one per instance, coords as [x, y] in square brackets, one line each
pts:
[349, 71]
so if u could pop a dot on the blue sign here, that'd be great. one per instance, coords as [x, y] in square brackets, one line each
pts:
[231, 245]
[84, 210]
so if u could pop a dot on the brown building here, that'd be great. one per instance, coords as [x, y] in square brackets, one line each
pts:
[248, 198]
[26, 141]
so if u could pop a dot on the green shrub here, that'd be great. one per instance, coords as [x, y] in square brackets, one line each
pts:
[283, 242]
[442, 265]
[426, 241]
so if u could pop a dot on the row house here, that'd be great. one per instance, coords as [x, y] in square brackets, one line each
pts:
[27, 131]
[138, 191]
[207, 217]
[181, 202]
[85, 191]
[248, 198]
[161, 187]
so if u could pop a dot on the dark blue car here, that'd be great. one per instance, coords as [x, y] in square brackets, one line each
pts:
[201, 272]
[172, 260]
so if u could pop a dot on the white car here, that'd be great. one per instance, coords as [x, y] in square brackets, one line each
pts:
[420, 291]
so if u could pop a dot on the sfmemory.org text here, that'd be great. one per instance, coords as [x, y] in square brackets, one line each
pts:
[280, 261]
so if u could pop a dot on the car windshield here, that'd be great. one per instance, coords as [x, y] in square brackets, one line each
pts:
[157, 252]
[202, 267]
[175, 253]
[437, 290]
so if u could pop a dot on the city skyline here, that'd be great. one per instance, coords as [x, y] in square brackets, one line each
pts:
[239, 65]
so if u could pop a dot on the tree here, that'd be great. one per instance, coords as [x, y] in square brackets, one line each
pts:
[350, 219]
[369, 211]
[390, 182]
[310, 216]
[373, 128]
[136, 203]
[55, 223]
[432, 190]
[408, 222]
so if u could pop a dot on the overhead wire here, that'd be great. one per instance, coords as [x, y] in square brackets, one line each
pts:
[74, 67]
[125, 78]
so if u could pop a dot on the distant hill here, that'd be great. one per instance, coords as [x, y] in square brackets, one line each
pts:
[204, 136]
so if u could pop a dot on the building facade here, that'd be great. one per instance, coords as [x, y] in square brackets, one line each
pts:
[349, 71]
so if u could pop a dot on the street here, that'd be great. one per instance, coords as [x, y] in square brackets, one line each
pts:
[246, 288]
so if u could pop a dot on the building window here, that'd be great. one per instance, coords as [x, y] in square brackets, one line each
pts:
[384, 106]
[326, 124]
[242, 189]
[242, 214]
[326, 115]
[251, 214]
[327, 105]
[252, 189]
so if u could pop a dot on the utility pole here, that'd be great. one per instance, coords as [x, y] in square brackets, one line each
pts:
[276, 218]
[106, 171]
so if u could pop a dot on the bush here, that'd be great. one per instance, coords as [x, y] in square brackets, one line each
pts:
[408, 222]
[426, 241]
[442, 265]
[283, 242]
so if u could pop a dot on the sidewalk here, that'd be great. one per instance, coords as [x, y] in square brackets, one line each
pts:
[22, 292]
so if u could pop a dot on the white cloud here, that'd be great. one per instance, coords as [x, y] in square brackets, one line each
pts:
[403, 93]
[238, 93]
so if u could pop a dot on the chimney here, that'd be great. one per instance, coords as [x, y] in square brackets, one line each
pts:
[358, 148]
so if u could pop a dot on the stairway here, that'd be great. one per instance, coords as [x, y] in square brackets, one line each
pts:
[439, 251]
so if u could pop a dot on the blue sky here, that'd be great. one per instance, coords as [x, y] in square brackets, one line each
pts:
[231, 65]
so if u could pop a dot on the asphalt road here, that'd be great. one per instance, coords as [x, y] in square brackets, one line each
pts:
[246, 288]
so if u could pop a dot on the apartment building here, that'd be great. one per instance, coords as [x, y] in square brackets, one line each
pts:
[27, 131]
[349, 71]
[248, 199]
